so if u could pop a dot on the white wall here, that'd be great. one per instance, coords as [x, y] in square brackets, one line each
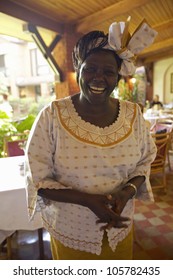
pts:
[162, 80]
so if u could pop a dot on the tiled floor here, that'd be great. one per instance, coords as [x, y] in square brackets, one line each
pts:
[153, 231]
[154, 225]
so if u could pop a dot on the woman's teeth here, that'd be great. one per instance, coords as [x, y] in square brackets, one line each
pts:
[97, 90]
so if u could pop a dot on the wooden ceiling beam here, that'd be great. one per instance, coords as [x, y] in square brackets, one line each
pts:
[157, 51]
[110, 12]
[13, 9]
[164, 25]
[159, 56]
[159, 46]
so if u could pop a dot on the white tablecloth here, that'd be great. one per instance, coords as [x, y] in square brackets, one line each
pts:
[13, 203]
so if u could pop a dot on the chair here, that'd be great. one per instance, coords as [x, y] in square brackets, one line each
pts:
[158, 166]
[13, 145]
[5, 249]
[170, 150]
[168, 125]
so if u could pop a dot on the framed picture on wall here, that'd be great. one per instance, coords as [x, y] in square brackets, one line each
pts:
[171, 85]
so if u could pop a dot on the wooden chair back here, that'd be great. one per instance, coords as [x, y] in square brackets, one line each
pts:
[162, 141]
[13, 145]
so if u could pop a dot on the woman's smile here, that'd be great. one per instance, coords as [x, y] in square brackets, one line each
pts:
[97, 90]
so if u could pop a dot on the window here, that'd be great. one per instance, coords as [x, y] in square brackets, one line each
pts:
[39, 66]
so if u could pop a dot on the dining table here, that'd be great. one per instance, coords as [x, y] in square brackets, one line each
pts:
[13, 201]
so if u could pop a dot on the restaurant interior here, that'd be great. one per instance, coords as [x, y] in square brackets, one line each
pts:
[64, 22]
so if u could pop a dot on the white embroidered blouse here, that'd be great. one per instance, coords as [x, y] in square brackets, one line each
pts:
[65, 152]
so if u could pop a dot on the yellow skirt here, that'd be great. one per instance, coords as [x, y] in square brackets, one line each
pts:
[124, 251]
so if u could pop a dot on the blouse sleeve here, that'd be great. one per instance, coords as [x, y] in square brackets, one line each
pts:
[39, 167]
[148, 153]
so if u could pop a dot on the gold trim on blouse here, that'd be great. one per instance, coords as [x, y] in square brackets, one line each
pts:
[94, 135]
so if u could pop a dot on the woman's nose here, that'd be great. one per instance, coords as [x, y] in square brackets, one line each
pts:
[99, 74]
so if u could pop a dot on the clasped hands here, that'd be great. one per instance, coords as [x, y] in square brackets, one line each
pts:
[108, 209]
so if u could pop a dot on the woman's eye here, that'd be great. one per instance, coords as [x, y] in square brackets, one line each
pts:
[109, 72]
[90, 69]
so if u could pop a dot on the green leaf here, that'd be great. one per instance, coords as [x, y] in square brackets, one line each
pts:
[26, 124]
[3, 115]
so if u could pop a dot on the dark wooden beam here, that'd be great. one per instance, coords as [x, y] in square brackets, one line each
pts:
[45, 50]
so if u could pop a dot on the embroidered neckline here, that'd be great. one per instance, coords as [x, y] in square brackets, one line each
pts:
[92, 134]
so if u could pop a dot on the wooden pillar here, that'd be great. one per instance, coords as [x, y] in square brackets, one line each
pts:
[63, 55]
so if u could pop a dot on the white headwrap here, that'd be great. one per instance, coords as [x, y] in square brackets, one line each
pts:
[128, 46]
[119, 40]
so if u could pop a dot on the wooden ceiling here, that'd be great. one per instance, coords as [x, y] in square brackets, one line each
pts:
[88, 15]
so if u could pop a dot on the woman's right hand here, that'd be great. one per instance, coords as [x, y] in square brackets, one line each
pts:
[100, 205]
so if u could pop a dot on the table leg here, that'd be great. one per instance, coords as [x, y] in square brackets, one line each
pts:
[41, 243]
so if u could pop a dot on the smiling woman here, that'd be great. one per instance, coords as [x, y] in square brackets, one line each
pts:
[98, 77]
[88, 156]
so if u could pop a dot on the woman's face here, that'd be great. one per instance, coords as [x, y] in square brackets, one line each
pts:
[98, 76]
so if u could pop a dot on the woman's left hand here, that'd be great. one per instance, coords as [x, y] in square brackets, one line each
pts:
[117, 202]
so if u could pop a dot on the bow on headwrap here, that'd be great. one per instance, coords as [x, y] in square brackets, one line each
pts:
[119, 40]
[128, 46]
